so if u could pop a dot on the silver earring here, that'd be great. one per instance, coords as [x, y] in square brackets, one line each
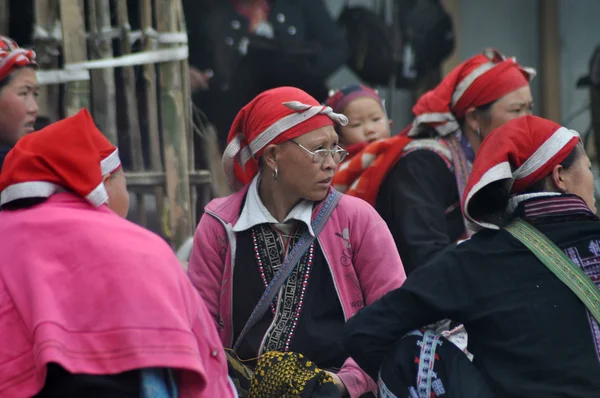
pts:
[478, 132]
[275, 174]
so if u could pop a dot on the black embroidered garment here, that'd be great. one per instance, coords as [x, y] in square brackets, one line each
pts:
[529, 333]
[306, 317]
[419, 201]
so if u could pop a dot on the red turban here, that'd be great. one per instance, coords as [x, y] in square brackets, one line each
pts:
[12, 55]
[478, 81]
[521, 152]
[65, 154]
[273, 117]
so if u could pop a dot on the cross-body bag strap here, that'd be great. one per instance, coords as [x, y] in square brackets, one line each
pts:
[461, 171]
[558, 262]
[289, 264]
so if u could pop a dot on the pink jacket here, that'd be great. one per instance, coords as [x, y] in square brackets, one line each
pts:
[97, 294]
[357, 246]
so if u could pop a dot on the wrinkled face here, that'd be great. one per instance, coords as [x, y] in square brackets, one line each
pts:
[298, 175]
[367, 122]
[513, 105]
[579, 180]
[18, 105]
[118, 197]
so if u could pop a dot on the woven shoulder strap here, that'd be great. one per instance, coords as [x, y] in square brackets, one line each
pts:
[558, 262]
[289, 264]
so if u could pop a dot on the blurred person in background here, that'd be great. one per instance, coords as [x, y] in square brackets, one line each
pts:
[240, 48]
[18, 94]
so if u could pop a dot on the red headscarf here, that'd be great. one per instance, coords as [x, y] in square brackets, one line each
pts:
[478, 81]
[66, 154]
[519, 153]
[109, 154]
[11, 55]
[273, 117]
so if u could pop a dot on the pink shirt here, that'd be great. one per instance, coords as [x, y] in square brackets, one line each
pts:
[97, 294]
[357, 245]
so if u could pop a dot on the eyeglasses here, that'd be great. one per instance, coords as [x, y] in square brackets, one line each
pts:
[338, 154]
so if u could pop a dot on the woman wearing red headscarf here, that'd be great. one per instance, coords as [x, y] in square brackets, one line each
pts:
[92, 305]
[530, 334]
[415, 180]
[18, 94]
[285, 217]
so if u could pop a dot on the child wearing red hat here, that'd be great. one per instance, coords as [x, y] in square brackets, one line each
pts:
[93, 305]
[367, 117]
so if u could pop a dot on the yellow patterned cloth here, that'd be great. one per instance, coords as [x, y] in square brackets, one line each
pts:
[287, 375]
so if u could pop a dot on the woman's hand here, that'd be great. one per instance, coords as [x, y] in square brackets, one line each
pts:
[339, 384]
[199, 80]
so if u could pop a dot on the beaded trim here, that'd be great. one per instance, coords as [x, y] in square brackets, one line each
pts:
[270, 250]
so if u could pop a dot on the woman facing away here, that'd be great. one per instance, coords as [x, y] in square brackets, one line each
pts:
[18, 94]
[92, 305]
[282, 153]
[415, 179]
[530, 334]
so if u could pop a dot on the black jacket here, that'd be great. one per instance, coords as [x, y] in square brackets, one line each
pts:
[419, 202]
[529, 333]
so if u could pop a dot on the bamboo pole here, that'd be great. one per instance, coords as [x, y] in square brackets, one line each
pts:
[453, 8]
[4, 17]
[132, 131]
[550, 55]
[201, 190]
[47, 51]
[77, 94]
[104, 92]
[150, 107]
[174, 129]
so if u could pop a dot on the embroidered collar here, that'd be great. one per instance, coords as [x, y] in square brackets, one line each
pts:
[466, 147]
[550, 204]
[254, 212]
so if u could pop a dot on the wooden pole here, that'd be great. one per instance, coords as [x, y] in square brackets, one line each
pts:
[77, 94]
[132, 129]
[452, 7]
[47, 50]
[4, 17]
[174, 129]
[550, 60]
[104, 92]
[150, 107]
[187, 93]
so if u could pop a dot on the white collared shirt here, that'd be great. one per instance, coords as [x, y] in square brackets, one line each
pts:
[255, 213]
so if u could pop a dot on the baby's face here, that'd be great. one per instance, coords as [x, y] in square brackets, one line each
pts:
[367, 122]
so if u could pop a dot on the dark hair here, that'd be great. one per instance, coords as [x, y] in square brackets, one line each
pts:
[6, 81]
[483, 110]
[491, 201]
[21, 204]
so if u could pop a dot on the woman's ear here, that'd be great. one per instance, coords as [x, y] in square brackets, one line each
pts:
[558, 178]
[471, 120]
[270, 156]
